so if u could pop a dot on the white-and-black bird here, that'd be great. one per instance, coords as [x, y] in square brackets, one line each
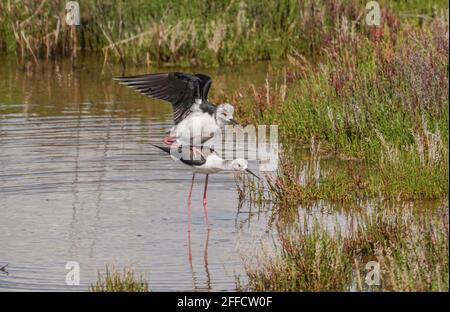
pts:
[196, 119]
[203, 159]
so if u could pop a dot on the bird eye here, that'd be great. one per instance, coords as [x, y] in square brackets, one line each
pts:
[225, 114]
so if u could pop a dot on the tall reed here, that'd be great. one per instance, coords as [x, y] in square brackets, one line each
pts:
[184, 32]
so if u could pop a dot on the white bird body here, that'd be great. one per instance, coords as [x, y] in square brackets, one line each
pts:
[204, 159]
[196, 119]
[213, 164]
[197, 128]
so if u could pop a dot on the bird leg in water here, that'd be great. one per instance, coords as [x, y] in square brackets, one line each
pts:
[190, 250]
[189, 203]
[205, 253]
[204, 202]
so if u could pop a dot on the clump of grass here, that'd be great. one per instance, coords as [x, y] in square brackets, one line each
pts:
[304, 177]
[185, 32]
[119, 281]
[410, 246]
[252, 191]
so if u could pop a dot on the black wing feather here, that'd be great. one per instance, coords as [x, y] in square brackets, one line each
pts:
[205, 84]
[180, 89]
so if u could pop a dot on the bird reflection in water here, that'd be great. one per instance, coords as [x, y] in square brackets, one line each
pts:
[195, 279]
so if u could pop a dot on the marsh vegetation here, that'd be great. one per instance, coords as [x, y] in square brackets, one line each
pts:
[362, 110]
[375, 102]
[115, 280]
[184, 32]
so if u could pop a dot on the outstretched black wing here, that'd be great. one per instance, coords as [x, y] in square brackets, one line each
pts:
[180, 89]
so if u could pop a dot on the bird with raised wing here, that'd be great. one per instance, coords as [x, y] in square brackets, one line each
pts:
[196, 119]
[203, 159]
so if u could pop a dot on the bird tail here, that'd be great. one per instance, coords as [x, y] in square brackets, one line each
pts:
[163, 148]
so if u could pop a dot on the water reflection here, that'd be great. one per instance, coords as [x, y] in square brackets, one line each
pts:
[195, 279]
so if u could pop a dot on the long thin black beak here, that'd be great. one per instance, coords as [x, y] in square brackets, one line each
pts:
[234, 122]
[249, 171]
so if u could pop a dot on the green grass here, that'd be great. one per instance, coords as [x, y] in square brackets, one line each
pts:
[194, 32]
[119, 281]
[410, 245]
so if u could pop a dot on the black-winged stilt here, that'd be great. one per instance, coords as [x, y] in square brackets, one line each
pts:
[196, 119]
[203, 159]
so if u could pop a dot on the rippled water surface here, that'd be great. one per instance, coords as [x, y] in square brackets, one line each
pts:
[79, 181]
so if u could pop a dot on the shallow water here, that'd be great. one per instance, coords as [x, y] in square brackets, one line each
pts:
[79, 181]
